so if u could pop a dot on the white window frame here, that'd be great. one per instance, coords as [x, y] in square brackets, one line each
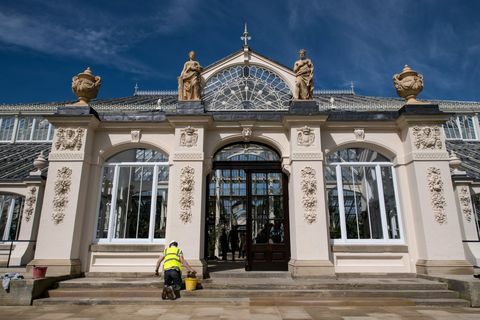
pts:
[456, 118]
[34, 127]
[14, 129]
[112, 215]
[383, 214]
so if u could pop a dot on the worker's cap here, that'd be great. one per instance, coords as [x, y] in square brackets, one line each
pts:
[173, 242]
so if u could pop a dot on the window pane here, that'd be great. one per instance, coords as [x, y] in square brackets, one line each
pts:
[133, 205]
[40, 131]
[356, 155]
[451, 129]
[332, 201]
[467, 126]
[138, 155]
[105, 202]
[390, 203]
[362, 209]
[6, 128]
[11, 208]
[25, 125]
[246, 152]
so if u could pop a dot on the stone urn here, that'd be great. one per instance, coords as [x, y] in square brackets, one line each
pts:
[85, 86]
[39, 163]
[409, 83]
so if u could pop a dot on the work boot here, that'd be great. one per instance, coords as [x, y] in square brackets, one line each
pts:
[170, 293]
[164, 293]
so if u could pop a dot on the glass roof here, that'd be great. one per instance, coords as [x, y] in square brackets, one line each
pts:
[246, 88]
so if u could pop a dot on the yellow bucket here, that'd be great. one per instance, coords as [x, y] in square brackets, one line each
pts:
[190, 284]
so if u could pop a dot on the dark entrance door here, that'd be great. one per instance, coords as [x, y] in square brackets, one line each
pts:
[248, 194]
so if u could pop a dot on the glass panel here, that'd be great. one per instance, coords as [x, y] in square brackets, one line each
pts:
[40, 131]
[451, 129]
[6, 128]
[467, 126]
[16, 218]
[332, 201]
[356, 155]
[138, 155]
[476, 207]
[246, 152]
[10, 205]
[277, 233]
[161, 213]
[134, 193]
[362, 208]
[105, 202]
[5, 202]
[393, 225]
[25, 125]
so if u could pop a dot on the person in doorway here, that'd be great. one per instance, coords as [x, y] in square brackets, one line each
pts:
[223, 244]
[172, 270]
[233, 239]
[276, 234]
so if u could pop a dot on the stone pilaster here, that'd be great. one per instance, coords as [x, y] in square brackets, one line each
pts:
[186, 198]
[439, 248]
[309, 237]
[66, 191]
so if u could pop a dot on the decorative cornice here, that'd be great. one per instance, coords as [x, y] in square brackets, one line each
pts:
[307, 156]
[66, 156]
[184, 156]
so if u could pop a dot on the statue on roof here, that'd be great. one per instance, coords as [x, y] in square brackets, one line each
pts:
[85, 86]
[303, 69]
[190, 80]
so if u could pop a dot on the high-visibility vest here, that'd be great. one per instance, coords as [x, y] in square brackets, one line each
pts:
[172, 258]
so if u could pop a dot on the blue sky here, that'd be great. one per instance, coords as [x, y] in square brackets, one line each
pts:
[44, 43]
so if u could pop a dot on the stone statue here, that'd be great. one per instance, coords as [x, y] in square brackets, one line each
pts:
[189, 81]
[85, 86]
[409, 83]
[303, 69]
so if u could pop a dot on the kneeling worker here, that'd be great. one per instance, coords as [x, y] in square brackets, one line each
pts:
[172, 270]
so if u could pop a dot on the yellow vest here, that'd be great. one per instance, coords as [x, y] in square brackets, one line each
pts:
[172, 259]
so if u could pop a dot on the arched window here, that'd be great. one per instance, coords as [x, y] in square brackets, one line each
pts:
[133, 200]
[11, 208]
[246, 152]
[362, 197]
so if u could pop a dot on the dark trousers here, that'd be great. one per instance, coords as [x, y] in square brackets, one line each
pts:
[173, 277]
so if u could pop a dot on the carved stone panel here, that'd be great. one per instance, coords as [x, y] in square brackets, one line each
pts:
[187, 183]
[465, 202]
[30, 201]
[69, 139]
[189, 137]
[359, 134]
[305, 136]
[135, 135]
[437, 197]
[247, 133]
[309, 190]
[61, 191]
[427, 138]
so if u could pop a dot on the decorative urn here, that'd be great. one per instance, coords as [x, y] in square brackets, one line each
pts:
[39, 163]
[409, 83]
[85, 86]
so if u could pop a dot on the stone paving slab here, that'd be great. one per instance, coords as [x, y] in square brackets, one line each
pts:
[178, 312]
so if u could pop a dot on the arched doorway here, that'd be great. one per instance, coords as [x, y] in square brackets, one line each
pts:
[247, 208]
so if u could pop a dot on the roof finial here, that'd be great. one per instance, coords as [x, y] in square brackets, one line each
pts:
[135, 89]
[245, 37]
[352, 86]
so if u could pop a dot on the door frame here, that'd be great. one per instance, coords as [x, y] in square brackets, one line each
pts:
[254, 167]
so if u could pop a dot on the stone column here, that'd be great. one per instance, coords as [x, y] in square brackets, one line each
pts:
[465, 209]
[437, 229]
[309, 235]
[186, 191]
[66, 191]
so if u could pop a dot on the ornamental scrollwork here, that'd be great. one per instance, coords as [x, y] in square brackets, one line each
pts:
[61, 190]
[305, 136]
[69, 139]
[437, 197]
[465, 203]
[30, 201]
[309, 190]
[187, 183]
[427, 138]
[189, 137]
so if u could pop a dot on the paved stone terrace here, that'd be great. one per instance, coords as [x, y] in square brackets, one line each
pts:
[183, 312]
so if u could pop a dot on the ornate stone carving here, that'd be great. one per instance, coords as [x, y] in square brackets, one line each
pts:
[39, 163]
[69, 139]
[305, 136]
[465, 202]
[303, 69]
[309, 189]
[409, 83]
[427, 138]
[437, 197]
[182, 156]
[187, 183]
[61, 190]
[85, 86]
[190, 80]
[30, 201]
[189, 137]
[359, 134]
[307, 156]
[135, 135]
[247, 133]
